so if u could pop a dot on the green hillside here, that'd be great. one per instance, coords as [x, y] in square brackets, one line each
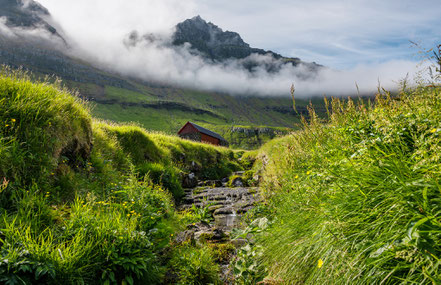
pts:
[167, 109]
[181, 105]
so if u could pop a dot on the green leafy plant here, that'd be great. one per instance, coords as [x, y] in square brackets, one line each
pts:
[195, 266]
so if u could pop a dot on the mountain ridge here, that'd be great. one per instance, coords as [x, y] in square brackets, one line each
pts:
[219, 46]
[26, 14]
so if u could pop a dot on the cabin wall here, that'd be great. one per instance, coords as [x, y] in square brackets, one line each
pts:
[188, 129]
[208, 139]
[191, 136]
[191, 133]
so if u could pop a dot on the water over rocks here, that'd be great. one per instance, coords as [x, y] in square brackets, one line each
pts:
[226, 204]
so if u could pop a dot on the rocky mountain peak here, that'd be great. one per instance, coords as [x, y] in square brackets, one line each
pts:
[209, 39]
[25, 14]
[217, 45]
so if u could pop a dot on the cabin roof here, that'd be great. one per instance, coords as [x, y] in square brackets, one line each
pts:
[205, 131]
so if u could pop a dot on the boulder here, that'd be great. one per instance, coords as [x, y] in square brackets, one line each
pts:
[189, 181]
[237, 182]
[195, 167]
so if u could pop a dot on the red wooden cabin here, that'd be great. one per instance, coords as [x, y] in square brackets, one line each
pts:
[194, 132]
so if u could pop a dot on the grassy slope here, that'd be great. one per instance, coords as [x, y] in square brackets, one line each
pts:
[143, 106]
[78, 214]
[357, 201]
[219, 112]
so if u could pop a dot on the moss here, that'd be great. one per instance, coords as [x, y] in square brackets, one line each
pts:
[205, 237]
[248, 178]
[223, 252]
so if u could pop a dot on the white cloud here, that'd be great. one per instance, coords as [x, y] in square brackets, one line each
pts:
[31, 34]
[333, 31]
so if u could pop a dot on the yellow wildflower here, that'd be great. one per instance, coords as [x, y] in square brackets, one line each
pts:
[320, 263]
[13, 120]
[296, 177]
[308, 172]
[128, 215]
[433, 131]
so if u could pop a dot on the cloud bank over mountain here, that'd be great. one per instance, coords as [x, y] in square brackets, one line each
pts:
[97, 31]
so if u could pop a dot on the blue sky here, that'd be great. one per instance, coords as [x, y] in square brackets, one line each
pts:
[340, 34]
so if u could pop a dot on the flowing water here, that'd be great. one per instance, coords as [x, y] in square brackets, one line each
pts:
[226, 204]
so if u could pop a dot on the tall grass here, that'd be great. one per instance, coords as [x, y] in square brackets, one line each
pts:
[357, 200]
[41, 124]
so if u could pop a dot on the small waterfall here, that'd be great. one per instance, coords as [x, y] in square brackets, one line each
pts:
[231, 218]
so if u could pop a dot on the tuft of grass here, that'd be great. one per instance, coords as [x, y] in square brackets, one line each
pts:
[196, 265]
[42, 124]
[357, 200]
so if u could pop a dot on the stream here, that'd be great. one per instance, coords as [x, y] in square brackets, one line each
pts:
[227, 205]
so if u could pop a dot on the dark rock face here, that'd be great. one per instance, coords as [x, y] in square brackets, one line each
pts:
[189, 181]
[214, 44]
[25, 14]
[210, 40]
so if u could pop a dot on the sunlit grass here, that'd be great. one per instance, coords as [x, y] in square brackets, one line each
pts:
[357, 199]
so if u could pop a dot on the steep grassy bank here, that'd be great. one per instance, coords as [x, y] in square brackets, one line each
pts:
[84, 201]
[357, 200]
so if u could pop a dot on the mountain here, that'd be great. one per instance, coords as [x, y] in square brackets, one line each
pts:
[46, 54]
[25, 14]
[116, 97]
[215, 44]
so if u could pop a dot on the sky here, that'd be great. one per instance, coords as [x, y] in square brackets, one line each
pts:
[359, 40]
[336, 33]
